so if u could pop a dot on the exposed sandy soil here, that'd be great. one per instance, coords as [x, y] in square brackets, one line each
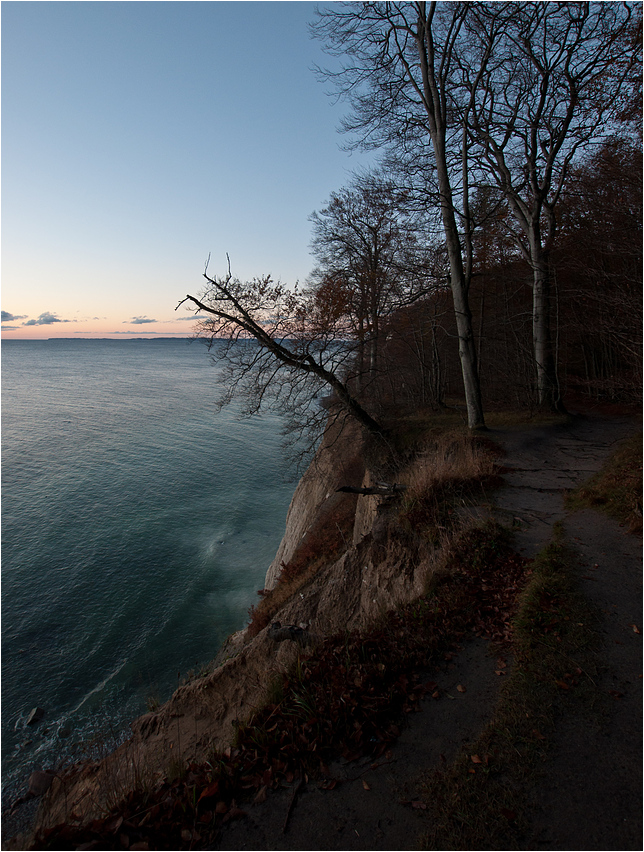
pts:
[590, 794]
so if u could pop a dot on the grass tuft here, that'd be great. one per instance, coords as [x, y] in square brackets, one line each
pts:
[617, 488]
[448, 471]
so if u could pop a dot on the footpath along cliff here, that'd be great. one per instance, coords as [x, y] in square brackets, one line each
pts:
[351, 565]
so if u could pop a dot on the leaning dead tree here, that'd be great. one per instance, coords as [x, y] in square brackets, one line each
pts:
[276, 345]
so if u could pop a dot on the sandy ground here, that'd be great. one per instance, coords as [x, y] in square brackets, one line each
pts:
[590, 795]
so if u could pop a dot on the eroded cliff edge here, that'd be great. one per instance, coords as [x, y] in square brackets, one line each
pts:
[365, 571]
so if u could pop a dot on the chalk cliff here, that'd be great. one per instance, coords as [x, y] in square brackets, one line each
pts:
[338, 462]
[376, 571]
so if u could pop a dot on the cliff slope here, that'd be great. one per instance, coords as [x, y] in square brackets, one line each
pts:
[377, 570]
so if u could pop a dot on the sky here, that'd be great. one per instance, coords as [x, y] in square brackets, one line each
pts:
[138, 138]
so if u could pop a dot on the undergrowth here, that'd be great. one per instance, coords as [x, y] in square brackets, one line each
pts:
[450, 470]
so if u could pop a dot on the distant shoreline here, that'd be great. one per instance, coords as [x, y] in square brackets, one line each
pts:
[96, 339]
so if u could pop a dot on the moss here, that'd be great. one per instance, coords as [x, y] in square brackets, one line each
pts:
[486, 806]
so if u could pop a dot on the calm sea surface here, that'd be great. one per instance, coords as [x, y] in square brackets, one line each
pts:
[137, 525]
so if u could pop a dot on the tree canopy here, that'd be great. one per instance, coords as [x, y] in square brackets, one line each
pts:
[502, 128]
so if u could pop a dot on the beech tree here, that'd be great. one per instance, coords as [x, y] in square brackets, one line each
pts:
[561, 74]
[277, 344]
[398, 67]
[598, 257]
[371, 262]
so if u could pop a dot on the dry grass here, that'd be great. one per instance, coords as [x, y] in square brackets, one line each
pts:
[449, 471]
[617, 488]
[449, 457]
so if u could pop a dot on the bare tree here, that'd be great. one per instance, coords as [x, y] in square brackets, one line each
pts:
[598, 258]
[399, 63]
[371, 262]
[277, 345]
[560, 74]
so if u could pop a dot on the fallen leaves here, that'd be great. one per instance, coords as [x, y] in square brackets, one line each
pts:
[508, 814]
[347, 699]
[416, 804]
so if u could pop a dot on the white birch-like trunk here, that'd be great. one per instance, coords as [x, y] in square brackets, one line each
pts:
[459, 285]
[546, 374]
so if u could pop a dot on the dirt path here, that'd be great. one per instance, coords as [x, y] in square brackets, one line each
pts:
[591, 795]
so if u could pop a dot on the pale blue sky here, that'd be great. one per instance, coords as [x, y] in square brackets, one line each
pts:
[137, 137]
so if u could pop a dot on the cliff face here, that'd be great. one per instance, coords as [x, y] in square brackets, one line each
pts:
[338, 462]
[377, 572]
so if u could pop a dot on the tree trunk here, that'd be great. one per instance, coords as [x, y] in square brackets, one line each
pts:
[348, 402]
[459, 282]
[547, 386]
[459, 285]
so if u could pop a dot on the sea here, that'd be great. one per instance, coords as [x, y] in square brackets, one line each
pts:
[137, 526]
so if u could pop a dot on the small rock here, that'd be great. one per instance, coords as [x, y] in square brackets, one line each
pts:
[296, 634]
[35, 716]
[40, 782]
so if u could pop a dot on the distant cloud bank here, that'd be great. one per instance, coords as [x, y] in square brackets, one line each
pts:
[139, 320]
[44, 319]
[7, 317]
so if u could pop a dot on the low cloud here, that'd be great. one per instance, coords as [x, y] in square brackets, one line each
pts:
[139, 320]
[7, 317]
[191, 318]
[10, 327]
[45, 319]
